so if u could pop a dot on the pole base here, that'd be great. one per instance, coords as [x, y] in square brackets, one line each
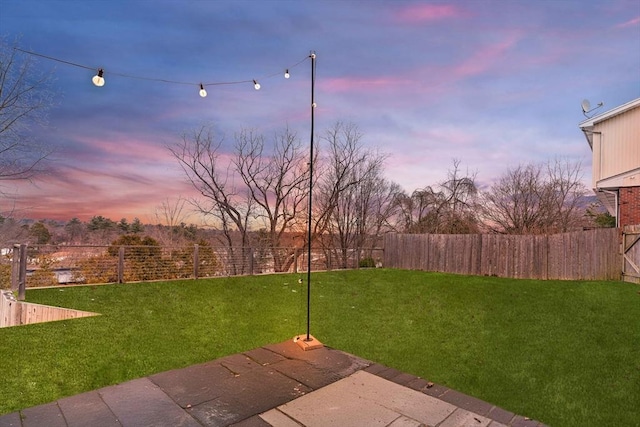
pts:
[307, 344]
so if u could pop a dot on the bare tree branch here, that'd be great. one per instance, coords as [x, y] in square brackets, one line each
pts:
[276, 184]
[534, 199]
[24, 101]
[354, 204]
[448, 208]
[199, 156]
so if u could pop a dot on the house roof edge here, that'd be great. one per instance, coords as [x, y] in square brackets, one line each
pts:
[590, 122]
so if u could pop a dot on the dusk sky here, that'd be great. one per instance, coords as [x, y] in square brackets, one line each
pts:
[493, 84]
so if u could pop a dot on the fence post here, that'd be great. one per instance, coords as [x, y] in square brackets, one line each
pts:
[546, 258]
[22, 279]
[121, 264]
[295, 260]
[196, 260]
[15, 267]
[251, 261]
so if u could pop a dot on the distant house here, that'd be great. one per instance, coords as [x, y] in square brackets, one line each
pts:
[614, 138]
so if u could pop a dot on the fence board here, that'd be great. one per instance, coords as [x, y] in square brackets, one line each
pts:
[581, 255]
[14, 313]
[631, 253]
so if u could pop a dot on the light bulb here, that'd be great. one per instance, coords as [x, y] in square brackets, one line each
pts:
[98, 80]
[203, 92]
[286, 74]
[256, 85]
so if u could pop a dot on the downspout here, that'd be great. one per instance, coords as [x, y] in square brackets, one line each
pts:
[615, 195]
[599, 151]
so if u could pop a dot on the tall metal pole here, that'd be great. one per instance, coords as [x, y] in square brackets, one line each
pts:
[313, 106]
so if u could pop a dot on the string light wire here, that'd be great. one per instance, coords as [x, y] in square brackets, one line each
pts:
[131, 76]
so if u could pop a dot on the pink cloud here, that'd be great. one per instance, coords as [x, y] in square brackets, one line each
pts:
[434, 79]
[428, 13]
[629, 23]
[114, 188]
[128, 147]
[347, 84]
[484, 58]
[447, 135]
[83, 194]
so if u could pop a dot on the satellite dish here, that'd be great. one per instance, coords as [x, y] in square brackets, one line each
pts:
[586, 107]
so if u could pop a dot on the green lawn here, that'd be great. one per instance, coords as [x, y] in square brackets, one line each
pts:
[566, 353]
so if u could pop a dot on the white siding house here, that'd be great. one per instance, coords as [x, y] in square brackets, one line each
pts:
[614, 138]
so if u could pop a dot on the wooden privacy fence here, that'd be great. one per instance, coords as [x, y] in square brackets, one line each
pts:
[14, 313]
[581, 255]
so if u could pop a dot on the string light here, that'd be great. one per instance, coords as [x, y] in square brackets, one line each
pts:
[98, 80]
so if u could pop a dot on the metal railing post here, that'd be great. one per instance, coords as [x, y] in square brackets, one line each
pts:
[15, 268]
[196, 260]
[251, 261]
[121, 264]
[22, 279]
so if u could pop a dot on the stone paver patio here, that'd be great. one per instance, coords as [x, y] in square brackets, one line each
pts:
[276, 385]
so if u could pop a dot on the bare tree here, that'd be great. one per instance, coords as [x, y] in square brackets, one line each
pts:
[383, 211]
[275, 180]
[171, 212]
[336, 170]
[448, 208]
[567, 192]
[457, 202]
[171, 216]
[262, 186]
[513, 205]
[364, 212]
[535, 199]
[353, 200]
[253, 186]
[200, 156]
[414, 209]
[24, 101]
[11, 232]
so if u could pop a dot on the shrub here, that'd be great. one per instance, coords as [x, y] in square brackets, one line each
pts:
[367, 263]
[99, 269]
[5, 276]
[42, 277]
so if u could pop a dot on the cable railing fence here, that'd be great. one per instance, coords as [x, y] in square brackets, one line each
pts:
[52, 265]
